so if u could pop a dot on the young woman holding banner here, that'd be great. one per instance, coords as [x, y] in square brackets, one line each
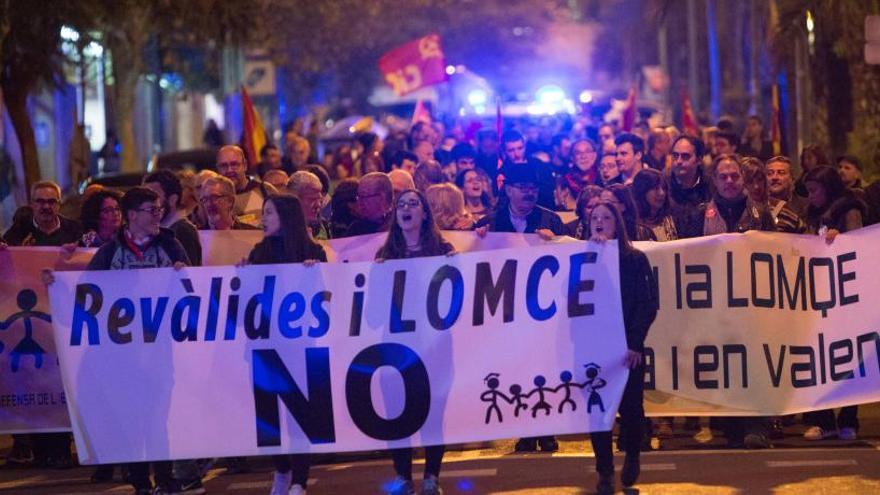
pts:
[287, 240]
[639, 302]
[414, 234]
[833, 209]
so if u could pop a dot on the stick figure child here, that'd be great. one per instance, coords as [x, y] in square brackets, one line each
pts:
[539, 382]
[566, 385]
[593, 383]
[516, 397]
[492, 395]
[27, 299]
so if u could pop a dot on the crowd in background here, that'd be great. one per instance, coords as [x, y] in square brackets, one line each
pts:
[544, 178]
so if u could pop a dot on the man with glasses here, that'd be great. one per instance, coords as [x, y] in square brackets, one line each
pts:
[249, 191]
[688, 188]
[521, 212]
[217, 199]
[374, 205]
[46, 227]
[143, 243]
[42, 225]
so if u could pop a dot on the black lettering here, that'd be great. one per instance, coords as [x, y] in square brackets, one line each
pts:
[417, 391]
[121, 314]
[487, 291]
[839, 360]
[701, 367]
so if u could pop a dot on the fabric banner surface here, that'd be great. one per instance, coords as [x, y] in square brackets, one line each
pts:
[31, 395]
[696, 349]
[256, 360]
[764, 324]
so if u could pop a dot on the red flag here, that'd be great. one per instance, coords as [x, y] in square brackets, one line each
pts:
[688, 120]
[254, 135]
[629, 111]
[414, 65]
[776, 123]
[421, 113]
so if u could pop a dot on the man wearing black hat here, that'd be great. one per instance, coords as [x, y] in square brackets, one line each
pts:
[521, 213]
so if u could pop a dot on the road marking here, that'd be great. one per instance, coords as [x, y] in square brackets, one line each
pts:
[658, 467]
[255, 485]
[784, 464]
[465, 473]
[21, 482]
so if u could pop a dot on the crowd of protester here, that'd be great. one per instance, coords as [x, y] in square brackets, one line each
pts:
[653, 185]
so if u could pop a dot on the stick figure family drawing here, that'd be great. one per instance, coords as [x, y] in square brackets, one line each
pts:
[520, 401]
[27, 300]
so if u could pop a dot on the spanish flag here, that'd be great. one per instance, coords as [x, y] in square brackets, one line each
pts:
[776, 123]
[254, 134]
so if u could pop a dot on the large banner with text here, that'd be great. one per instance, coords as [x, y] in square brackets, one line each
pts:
[754, 324]
[257, 360]
[764, 324]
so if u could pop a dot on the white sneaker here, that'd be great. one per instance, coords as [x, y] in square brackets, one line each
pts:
[281, 483]
[818, 433]
[297, 489]
[847, 434]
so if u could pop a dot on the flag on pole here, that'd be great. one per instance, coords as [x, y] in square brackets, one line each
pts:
[414, 65]
[688, 120]
[629, 111]
[422, 113]
[254, 134]
[776, 123]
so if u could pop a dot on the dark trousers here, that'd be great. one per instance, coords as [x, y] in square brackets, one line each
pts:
[403, 461]
[139, 474]
[736, 428]
[297, 464]
[848, 417]
[632, 423]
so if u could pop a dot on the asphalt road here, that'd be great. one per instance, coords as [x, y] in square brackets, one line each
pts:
[678, 466]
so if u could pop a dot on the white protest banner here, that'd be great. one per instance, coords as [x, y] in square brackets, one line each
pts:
[226, 361]
[31, 395]
[764, 324]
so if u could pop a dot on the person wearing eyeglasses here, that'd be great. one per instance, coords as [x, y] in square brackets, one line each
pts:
[374, 205]
[250, 192]
[170, 190]
[40, 224]
[217, 201]
[142, 242]
[45, 227]
[101, 218]
[520, 212]
[413, 234]
[689, 189]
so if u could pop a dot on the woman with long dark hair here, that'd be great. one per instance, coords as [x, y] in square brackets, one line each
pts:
[101, 218]
[621, 197]
[287, 240]
[414, 234]
[833, 209]
[651, 194]
[639, 303]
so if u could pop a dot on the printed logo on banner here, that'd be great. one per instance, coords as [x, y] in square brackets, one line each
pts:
[27, 301]
[593, 383]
